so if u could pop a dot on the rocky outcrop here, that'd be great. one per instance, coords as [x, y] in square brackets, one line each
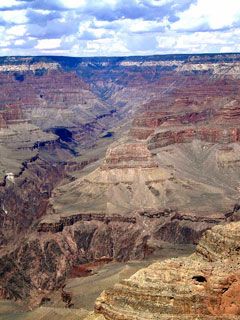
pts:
[26, 180]
[202, 286]
[220, 242]
[24, 200]
[212, 135]
[196, 178]
[59, 223]
[43, 261]
[129, 155]
[172, 176]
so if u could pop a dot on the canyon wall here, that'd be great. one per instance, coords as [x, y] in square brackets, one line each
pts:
[202, 286]
[92, 147]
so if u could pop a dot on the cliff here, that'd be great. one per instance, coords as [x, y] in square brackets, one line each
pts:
[92, 147]
[202, 286]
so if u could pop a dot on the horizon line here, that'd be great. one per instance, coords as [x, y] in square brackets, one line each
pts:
[122, 56]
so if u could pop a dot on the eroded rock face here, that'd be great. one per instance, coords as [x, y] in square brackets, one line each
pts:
[172, 176]
[129, 155]
[176, 193]
[202, 286]
[182, 150]
[25, 199]
[43, 260]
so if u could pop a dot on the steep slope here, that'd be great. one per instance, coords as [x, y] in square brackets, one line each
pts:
[179, 162]
[202, 286]
[171, 172]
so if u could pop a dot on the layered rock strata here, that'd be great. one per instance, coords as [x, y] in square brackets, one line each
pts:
[202, 286]
[173, 175]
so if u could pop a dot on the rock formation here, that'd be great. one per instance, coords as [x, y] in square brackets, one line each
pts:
[72, 192]
[202, 286]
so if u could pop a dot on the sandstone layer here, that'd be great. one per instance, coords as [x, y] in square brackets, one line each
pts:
[202, 286]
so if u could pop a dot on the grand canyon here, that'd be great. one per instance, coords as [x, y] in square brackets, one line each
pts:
[120, 187]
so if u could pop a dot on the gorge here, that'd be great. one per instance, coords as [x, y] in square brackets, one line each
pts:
[115, 159]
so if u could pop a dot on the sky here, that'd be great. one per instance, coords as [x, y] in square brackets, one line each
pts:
[118, 27]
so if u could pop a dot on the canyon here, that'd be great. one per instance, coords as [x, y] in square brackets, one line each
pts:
[116, 159]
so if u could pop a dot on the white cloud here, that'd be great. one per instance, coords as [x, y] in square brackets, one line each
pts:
[225, 49]
[19, 42]
[48, 44]
[119, 27]
[215, 14]
[159, 2]
[141, 26]
[84, 4]
[104, 46]
[8, 3]
[197, 42]
[18, 30]
[84, 25]
[14, 16]
[73, 4]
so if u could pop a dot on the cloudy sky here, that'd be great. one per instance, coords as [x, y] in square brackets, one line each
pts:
[118, 27]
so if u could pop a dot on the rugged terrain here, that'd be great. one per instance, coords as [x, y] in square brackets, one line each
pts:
[112, 158]
[202, 286]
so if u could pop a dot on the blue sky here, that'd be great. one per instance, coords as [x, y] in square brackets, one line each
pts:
[118, 27]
